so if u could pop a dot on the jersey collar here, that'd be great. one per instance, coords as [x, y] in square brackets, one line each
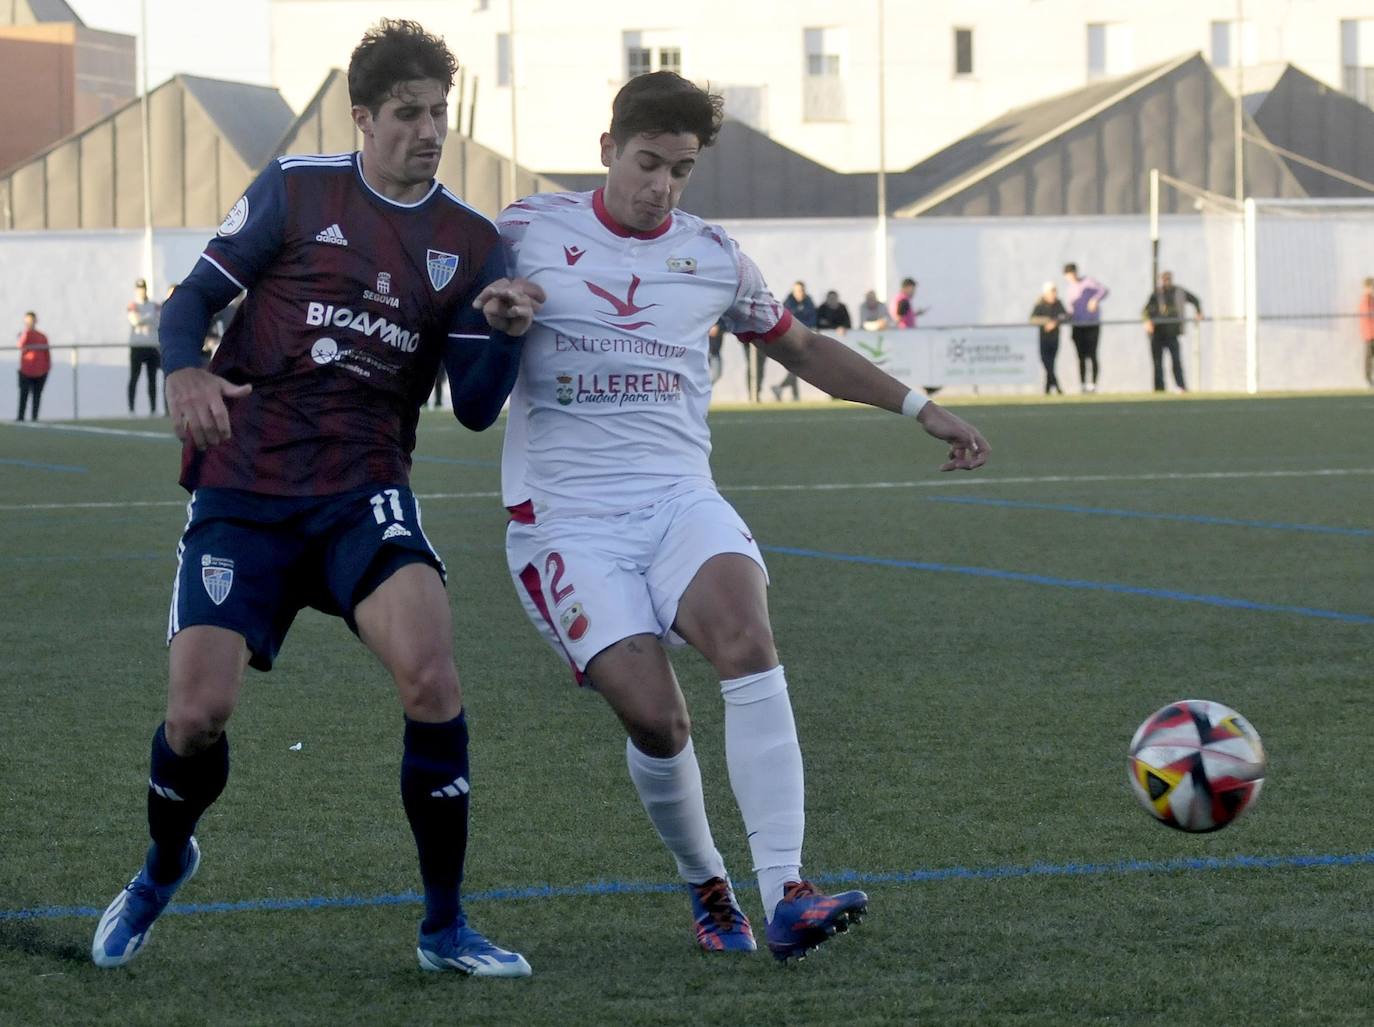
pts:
[358, 166]
[616, 228]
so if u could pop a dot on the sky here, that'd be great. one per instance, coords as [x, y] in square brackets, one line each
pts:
[227, 39]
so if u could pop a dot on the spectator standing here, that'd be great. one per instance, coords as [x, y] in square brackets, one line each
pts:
[1049, 314]
[1085, 296]
[714, 338]
[143, 351]
[872, 313]
[904, 309]
[35, 361]
[1165, 317]
[1367, 328]
[802, 307]
[832, 315]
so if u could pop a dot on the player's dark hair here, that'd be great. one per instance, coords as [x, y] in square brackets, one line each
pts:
[30, 313]
[908, 281]
[395, 51]
[1070, 267]
[664, 101]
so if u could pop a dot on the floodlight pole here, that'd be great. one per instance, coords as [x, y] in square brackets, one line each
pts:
[1154, 227]
[882, 153]
[147, 154]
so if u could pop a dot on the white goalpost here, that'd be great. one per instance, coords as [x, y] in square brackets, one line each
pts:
[1280, 280]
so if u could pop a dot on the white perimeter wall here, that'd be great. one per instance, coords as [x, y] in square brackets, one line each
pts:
[970, 270]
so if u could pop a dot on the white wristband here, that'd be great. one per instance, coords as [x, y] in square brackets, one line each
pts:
[914, 403]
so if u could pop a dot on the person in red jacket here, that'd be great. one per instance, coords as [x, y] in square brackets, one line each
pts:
[1367, 328]
[34, 364]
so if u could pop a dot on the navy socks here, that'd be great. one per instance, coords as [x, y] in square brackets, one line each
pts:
[180, 789]
[434, 790]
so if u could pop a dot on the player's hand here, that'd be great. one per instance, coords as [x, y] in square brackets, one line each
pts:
[1092, 305]
[195, 402]
[967, 447]
[509, 304]
[1149, 327]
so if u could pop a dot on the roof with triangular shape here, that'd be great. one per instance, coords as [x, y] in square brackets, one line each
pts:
[252, 118]
[1309, 118]
[36, 12]
[1090, 151]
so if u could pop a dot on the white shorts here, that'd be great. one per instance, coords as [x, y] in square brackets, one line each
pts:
[588, 582]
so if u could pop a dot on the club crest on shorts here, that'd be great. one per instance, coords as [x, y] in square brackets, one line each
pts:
[442, 267]
[217, 575]
[575, 622]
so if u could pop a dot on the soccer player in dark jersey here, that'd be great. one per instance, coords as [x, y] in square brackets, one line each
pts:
[362, 273]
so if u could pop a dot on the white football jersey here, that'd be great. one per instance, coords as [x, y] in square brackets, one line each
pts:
[609, 410]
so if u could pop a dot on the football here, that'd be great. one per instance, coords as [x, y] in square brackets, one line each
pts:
[1196, 765]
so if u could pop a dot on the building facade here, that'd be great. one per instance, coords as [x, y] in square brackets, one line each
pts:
[539, 75]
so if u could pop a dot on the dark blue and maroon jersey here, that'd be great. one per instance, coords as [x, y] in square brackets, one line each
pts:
[352, 301]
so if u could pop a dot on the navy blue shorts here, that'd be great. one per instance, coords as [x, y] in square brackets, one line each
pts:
[250, 562]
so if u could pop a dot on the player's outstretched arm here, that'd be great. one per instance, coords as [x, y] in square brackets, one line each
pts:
[839, 371]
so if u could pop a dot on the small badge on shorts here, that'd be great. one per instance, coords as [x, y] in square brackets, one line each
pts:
[217, 575]
[575, 622]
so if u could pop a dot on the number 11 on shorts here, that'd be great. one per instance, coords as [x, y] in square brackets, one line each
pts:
[379, 503]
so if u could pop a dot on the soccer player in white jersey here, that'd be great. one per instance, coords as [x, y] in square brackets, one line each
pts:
[619, 541]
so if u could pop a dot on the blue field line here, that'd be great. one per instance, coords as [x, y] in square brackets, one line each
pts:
[1230, 522]
[34, 466]
[1095, 586]
[1183, 864]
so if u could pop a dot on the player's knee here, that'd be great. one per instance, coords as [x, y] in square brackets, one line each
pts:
[744, 648]
[194, 727]
[428, 687]
[661, 733]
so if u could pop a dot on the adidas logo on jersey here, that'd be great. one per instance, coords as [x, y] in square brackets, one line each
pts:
[333, 235]
[395, 531]
[458, 786]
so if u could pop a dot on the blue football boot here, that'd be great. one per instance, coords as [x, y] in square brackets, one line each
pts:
[459, 947]
[128, 920]
[806, 917]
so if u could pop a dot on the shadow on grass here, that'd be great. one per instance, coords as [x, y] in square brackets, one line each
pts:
[35, 939]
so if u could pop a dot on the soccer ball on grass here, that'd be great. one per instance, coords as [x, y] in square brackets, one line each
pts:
[1196, 765]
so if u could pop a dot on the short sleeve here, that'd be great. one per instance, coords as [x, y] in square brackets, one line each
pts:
[756, 313]
[251, 234]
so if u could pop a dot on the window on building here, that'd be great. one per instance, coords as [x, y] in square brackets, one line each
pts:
[1234, 43]
[823, 96]
[1110, 50]
[1357, 58]
[651, 51]
[503, 58]
[963, 51]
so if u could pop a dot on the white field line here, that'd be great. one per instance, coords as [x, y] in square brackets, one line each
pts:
[954, 481]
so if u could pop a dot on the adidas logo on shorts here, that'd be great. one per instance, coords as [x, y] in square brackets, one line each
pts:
[333, 235]
[395, 531]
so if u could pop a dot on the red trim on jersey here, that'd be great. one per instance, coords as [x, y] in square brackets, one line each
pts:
[612, 225]
[779, 329]
[529, 577]
[522, 513]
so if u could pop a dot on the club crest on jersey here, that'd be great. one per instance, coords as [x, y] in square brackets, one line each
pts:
[563, 391]
[384, 283]
[236, 217]
[687, 265]
[575, 622]
[217, 575]
[442, 267]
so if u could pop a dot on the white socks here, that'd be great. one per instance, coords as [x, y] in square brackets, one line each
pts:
[764, 759]
[671, 792]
